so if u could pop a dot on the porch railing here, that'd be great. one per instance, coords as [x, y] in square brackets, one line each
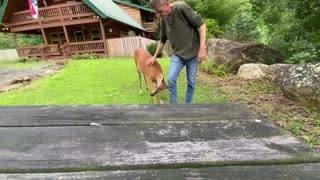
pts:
[55, 13]
[86, 47]
[118, 47]
[29, 51]
[44, 51]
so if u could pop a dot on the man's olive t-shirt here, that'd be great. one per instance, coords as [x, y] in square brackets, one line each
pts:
[180, 27]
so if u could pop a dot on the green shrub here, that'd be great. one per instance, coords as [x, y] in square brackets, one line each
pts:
[209, 66]
[303, 57]
[34, 59]
[78, 56]
[213, 29]
[152, 49]
[27, 59]
[89, 56]
[22, 59]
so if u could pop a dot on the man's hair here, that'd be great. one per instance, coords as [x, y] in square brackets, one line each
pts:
[157, 3]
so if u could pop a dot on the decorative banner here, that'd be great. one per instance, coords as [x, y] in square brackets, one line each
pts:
[33, 4]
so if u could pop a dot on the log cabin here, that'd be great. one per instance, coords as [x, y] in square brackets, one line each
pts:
[74, 26]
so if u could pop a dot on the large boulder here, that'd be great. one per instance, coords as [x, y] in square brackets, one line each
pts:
[260, 71]
[234, 54]
[302, 83]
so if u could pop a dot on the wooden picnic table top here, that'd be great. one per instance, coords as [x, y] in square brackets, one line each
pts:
[208, 141]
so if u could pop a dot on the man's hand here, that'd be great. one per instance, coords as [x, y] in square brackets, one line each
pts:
[151, 61]
[202, 55]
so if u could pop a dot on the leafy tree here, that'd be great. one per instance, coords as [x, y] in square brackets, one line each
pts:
[144, 3]
[242, 28]
[6, 41]
[293, 27]
[220, 10]
[213, 29]
[29, 40]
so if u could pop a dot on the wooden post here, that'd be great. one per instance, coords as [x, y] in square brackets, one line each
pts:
[14, 38]
[44, 36]
[103, 33]
[42, 31]
[44, 55]
[66, 34]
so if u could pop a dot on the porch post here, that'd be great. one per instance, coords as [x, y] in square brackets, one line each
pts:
[66, 34]
[44, 55]
[44, 35]
[66, 47]
[104, 37]
[14, 38]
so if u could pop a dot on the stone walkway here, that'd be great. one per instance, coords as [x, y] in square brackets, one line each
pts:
[32, 73]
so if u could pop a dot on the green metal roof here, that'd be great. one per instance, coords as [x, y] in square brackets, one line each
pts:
[134, 5]
[3, 9]
[108, 9]
[105, 9]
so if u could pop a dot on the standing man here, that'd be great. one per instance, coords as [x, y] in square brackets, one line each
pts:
[186, 31]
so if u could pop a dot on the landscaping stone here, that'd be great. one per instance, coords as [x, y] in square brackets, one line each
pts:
[10, 87]
[260, 71]
[301, 83]
[10, 77]
[233, 54]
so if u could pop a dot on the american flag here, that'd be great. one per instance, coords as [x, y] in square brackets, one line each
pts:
[33, 4]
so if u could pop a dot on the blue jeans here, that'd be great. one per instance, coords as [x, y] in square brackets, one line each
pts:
[176, 65]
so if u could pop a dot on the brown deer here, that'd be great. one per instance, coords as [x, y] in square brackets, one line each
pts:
[153, 73]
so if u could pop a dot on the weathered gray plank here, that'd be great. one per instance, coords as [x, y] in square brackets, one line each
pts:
[278, 172]
[119, 114]
[46, 149]
[143, 141]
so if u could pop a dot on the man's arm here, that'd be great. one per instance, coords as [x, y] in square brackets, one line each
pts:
[202, 48]
[153, 59]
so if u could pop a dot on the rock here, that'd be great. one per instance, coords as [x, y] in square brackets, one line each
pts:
[49, 71]
[259, 71]
[234, 54]
[252, 71]
[19, 79]
[302, 83]
[27, 78]
[15, 80]
[10, 87]
[62, 63]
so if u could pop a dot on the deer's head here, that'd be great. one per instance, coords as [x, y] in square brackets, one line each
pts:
[161, 86]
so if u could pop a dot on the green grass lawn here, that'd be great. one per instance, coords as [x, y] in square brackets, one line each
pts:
[103, 81]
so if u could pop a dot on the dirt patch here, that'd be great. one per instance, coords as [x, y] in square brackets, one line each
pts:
[265, 97]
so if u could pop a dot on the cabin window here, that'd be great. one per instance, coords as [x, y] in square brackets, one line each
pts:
[95, 34]
[57, 38]
[79, 36]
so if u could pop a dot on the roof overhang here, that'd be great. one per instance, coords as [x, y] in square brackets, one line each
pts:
[108, 9]
[134, 5]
